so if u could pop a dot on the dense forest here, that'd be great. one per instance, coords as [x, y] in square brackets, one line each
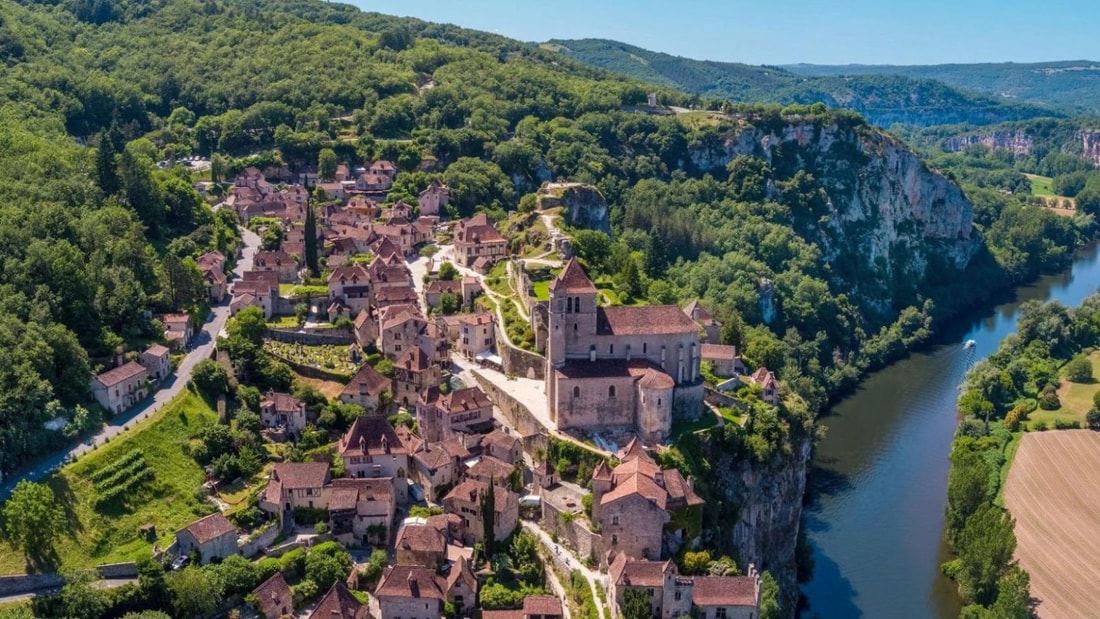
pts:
[1069, 84]
[93, 236]
[884, 99]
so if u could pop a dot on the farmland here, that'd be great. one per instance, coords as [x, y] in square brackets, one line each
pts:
[1056, 503]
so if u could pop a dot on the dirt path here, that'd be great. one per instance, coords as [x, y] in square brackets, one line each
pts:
[1054, 496]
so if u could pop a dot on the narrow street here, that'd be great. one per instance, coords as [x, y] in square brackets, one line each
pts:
[202, 348]
[565, 558]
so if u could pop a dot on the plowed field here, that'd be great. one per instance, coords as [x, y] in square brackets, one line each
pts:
[1053, 493]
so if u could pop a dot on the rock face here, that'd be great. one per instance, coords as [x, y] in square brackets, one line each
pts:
[585, 206]
[1090, 146]
[1017, 142]
[884, 217]
[766, 530]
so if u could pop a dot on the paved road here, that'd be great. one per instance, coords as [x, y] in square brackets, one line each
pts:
[202, 348]
[564, 556]
[110, 583]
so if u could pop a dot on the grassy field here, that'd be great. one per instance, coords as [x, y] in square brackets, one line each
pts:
[330, 388]
[1076, 399]
[1056, 503]
[541, 290]
[1041, 185]
[109, 533]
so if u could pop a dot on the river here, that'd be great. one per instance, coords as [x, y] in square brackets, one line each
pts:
[880, 473]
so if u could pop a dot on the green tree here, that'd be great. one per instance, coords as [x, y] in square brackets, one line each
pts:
[636, 604]
[967, 488]
[194, 592]
[769, 597]
[78, 598]
[985, 548]
[450, 303]
[210, 378]
[310, 232]
[448, 272]
[139, 188]
[326, 164]
[696, 562]
[1013, 596]
[106, 165]
[272, 238]
[33, 518]
[488, 512]
[1079, 370]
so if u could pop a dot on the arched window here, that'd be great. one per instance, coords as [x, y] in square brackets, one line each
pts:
[574, 328]
[611, 391]
[658, 401]
[576, 304]
[576, 392]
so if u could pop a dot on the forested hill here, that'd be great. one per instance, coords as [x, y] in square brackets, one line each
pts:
[883, 99]
[1071, 85]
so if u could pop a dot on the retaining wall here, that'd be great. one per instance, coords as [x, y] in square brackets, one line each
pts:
[311, 372]
[29, 583]
[522, 420]
[253, 546]
[329, 337]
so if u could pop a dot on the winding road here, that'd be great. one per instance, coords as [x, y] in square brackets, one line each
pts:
[202, 348]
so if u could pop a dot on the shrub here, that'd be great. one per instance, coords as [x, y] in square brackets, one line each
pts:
[1039, 426]
[1049, 400]
[1064, 424]
[1079, 370]
[1093, 419]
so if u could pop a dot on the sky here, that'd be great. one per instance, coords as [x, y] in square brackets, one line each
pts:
[792, 31]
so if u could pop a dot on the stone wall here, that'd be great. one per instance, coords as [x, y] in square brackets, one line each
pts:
[255, 544]
[573, 534]
[29, 583]
[519, 362]
[311, 372]
[330, 337]
[521, 418]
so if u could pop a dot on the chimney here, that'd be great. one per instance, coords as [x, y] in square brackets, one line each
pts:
[119, 360]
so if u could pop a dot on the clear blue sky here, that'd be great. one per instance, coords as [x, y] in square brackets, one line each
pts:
[790, 31]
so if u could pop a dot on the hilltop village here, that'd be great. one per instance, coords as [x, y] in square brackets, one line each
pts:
[500, 417]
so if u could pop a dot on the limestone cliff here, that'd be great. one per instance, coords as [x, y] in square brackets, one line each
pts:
[880, 215]
[1018, 142]
[584, 205]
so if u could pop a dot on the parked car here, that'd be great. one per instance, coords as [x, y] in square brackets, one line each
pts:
[417, 492]
[180, 561]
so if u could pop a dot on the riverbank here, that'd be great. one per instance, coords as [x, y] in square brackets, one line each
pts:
[878, 484]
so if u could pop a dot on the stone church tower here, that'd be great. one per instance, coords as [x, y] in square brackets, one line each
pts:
[573, 301]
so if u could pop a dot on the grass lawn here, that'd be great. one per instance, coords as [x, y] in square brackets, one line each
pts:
[1076, 399]
[330, 388]
[283, 322]
[109, 533]
[1041, 185]
[679, 429]
[541, 290]
[1010, 455]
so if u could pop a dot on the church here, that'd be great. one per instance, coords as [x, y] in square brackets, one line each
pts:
[623, 368]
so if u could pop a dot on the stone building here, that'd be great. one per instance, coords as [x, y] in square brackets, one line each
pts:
[283, 411]
[624, 367]
[466, 501]
[372, 448]
[672, 595]
[212, 537]
[434, 198]
[477, 334]
[367, 389]
[478, 244]
[120, 388]
[463, 410]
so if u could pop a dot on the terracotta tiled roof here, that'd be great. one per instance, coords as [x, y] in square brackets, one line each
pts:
[409, 581]
[131, 369]
[638, 573]
[699, 314]
[488, 468]
[460, 572]
[413, 360]
[572, 280]
[615, 368]
[266, 277]
[464, 400]
[397, 294]
[471, 491]
[370, 496]
[440, 286]
[502, 614]
[643, 320]
[541, 605]
[480, 318]
[362, 318]
[156, 350]
[500, 439]
[210, 527]
[339, 603]
[764, 378]
[435, 456]
[281, 402]
[274, 596]
[724, 591]
[638, 485]
[294, 475]
[477, 229]
[374, 435]
[355, 273]
[420, 538]
[718, 351]
[374, 381]
[656, 379]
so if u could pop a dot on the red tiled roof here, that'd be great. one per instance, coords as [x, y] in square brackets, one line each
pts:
[480, 318]
[293, 475]
[274, 596]
[502, 614]
[339, 603]
[370, 491]
[718, 351]
[541, 605]
[464, 400]
[210, 527]
[638, 485]
[374, 381]
[112, 377]
[488, 468]
[156, 350]
[471, 491]
[442, 285]
[638, 573]
[572, 280]
[375, 434]
[420, 538]
[282, 402]
[409, 581]
[643, 320]
[724, 591]
[413, 360]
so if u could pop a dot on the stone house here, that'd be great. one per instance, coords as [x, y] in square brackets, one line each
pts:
[212, 537]
[420, 544]
[465, 500]
[723, 359]
[413, 373]
[635, 502]
[410, 592]
[400, 295]
[502, 446]
[398, 210]
[351, 284]
[157, 362]
[436, 288]
[339, 603]
[477, 238]
[439, 465]
[488, 469]
[434, 198]
[618, 367]
[366, 388]
[383, 168]
[296, 484]
[709, 327]
[372, 183]
[463, 410]
[769, 386]
[258, 288]
[477, 334]
[273, 597]
[672, 595]
[400, 327]
[366, 329]
[120, 388]
[212, 265]
[178, 330]
[278, 262]
[461, 586]
[282, 411]
[372, 448]
[361, 511]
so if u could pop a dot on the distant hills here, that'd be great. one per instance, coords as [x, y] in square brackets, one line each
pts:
[883, 98]
[1072, 84]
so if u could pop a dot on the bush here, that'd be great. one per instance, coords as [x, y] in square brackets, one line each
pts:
[1064, 424]
[1039, 426]
[210, 378]
[1093, 419]
[1049, 400]
[1079, 370]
